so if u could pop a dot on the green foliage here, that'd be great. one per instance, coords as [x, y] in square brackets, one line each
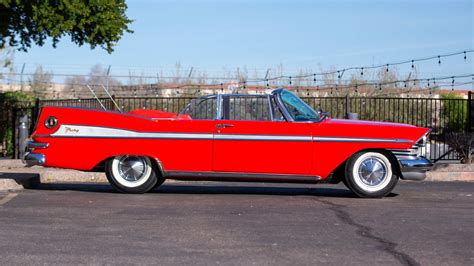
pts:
[96, 22]
[16, 98]
[455, 111]
[9, 101]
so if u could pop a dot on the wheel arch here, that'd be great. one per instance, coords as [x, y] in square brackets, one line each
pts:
[339, 172]
[100, 167]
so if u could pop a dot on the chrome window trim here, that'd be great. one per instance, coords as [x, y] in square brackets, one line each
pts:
[220, 107]
[270, 108]
[228, 96]
[277, 96]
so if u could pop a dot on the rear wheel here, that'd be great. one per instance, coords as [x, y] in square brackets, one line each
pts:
[370, 174]
[132, 174]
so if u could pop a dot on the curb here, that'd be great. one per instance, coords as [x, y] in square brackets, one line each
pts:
[18, 181]
[15, 176]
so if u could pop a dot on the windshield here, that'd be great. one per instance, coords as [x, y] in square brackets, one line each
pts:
[297, 108]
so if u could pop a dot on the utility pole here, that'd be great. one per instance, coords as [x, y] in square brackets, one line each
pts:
[107, 78]
[21, 77]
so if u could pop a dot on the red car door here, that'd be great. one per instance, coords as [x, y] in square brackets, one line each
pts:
[246, 143]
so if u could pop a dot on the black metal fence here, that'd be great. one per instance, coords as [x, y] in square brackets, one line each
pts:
[442, 115]
[10, 116]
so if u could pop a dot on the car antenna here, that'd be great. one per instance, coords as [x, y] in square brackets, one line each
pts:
[112, 98]
[97, 98]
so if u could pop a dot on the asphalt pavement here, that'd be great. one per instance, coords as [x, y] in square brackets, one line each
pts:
[209, 223]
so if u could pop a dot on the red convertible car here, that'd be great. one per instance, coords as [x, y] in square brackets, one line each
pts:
[230, 137]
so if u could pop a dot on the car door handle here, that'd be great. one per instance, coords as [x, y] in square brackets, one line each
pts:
[224, 125]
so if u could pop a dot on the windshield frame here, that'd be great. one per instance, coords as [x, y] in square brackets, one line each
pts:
[277, 94]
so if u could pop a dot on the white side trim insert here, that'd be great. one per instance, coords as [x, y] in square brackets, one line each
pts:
[340, 139]
[104, 132]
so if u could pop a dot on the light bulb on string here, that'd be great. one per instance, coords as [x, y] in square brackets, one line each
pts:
[412, 63]
[439, 60]
[314, 78]
[465, 56]
[452, 84]
[290, 80]
[268, 84]
[222, 86]
[338, 75]
[387, 68]
[362, 71]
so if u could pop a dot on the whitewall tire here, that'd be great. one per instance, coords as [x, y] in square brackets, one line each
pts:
[370, 174]
[131, 173]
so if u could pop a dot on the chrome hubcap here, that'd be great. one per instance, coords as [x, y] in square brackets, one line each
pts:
[132, 168]
[372, 171]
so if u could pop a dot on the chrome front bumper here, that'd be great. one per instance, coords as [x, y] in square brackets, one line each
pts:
[32, 159]
[414, 168]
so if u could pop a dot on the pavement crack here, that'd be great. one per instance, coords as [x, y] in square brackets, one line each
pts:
[367, 232]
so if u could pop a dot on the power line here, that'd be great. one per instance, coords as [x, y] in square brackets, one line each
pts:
[290, 78]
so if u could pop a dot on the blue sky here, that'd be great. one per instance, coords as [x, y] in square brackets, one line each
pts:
[218, 35]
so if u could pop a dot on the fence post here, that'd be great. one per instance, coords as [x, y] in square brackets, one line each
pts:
[469, 111]
[14, 133]
[348, 106]
[22, 135]
[35, 114]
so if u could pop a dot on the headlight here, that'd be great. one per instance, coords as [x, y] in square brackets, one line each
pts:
[50, 122]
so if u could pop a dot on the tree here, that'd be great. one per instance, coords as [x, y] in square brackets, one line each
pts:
[6, 59]
[454, 110]
[41, 81]
[96, 22]
[96, 78]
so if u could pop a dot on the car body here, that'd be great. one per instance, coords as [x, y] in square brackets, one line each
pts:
[239, 137]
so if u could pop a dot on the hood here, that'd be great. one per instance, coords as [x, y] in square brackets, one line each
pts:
[368, 129]
[366, 123]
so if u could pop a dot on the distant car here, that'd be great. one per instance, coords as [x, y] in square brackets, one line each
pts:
[230, 137]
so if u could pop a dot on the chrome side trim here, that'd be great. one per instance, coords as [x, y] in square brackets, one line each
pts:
[248, 177]
[346, 139]
[262, 137]
[32, 159]
[75, 131]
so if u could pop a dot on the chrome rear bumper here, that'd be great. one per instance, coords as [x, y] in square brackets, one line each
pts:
[414, 168]
[32, 159]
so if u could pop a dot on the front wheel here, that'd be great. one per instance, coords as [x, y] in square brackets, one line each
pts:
[370, 174]
[131, 174]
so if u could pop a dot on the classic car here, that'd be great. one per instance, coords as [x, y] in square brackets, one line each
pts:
[274, 137]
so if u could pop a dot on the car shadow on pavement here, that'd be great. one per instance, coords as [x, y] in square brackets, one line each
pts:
[218, 188]
[255, 190]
